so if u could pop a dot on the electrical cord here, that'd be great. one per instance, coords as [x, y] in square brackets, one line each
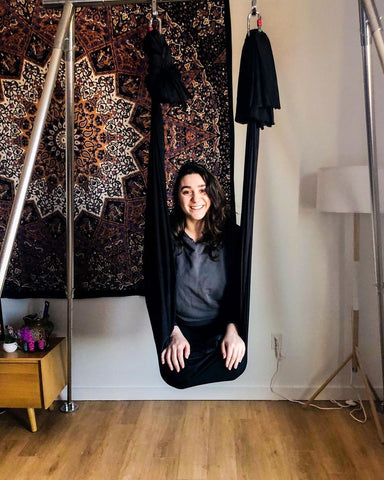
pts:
[353, 412]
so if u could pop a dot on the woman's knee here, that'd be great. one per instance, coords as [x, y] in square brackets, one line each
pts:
[175, 379]
[235, 373]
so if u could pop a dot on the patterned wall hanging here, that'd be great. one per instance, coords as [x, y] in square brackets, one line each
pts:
[112, 127]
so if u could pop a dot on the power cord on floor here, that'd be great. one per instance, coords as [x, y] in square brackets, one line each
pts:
[361, 407]
[348, 404]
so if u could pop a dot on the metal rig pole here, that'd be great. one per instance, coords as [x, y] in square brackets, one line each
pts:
[376, 28]
[69, 406]
[366, 27]
[37, 131]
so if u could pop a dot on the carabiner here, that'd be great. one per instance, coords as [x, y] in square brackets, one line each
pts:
[259, 21]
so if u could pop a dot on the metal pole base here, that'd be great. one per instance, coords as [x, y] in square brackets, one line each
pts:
[68, 407]
[380, 406]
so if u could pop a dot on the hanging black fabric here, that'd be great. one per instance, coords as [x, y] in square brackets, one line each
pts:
[159, 275]
[247, 214]
[164, 85]
[257, 96]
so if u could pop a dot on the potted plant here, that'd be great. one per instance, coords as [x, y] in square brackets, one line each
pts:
[10, 339]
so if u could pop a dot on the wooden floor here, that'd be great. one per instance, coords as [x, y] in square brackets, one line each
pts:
[189, 440]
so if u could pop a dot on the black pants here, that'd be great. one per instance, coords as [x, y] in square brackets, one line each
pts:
[205, 363]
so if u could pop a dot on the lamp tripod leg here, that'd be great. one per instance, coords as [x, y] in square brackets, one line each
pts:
[370, 395]
[321, 388]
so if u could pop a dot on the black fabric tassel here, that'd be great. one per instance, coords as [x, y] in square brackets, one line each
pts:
[257, 93]
[163, 80]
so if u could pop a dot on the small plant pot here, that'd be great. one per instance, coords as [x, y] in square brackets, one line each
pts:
[10, 347]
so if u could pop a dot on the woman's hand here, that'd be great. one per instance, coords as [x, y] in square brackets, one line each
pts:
[177, 350]
[232, 347]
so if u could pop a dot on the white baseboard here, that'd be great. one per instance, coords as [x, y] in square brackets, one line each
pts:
[215, 392]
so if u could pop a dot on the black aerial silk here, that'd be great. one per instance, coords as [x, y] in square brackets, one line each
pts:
[165, 86]
[257, 97]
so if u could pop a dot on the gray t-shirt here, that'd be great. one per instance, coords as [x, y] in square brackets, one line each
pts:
[200, 283]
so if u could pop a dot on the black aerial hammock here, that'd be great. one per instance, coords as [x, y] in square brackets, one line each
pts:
[257, 96]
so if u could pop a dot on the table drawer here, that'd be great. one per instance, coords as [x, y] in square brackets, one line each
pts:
[20, 385]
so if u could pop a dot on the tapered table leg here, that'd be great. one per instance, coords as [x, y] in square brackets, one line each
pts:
[32, 419]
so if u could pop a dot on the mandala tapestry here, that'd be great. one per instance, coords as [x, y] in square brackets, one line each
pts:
[112, 127]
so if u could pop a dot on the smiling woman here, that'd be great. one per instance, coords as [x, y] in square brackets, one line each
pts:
[204, 345]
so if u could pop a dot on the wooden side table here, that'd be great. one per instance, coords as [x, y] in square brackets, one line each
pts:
[33, 379]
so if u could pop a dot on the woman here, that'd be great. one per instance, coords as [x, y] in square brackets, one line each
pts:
[205, 345]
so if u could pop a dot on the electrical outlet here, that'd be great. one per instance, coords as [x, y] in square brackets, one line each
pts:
[276, 341]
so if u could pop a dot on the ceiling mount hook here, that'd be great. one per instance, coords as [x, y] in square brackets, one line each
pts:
[154, 16]
[155, 13]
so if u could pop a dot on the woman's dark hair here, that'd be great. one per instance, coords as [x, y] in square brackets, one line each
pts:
[217, 215]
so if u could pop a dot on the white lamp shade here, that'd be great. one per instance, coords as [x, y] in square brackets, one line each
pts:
[346, 189]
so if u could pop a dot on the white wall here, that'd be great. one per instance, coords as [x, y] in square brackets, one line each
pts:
[300, 278]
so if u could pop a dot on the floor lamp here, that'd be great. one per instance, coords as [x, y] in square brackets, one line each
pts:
[346, 190]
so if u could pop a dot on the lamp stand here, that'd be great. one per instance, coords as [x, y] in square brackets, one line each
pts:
[354, 356]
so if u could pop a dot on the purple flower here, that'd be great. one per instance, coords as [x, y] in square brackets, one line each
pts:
[25, 335]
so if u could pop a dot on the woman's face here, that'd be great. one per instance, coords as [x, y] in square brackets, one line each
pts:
[193, 198]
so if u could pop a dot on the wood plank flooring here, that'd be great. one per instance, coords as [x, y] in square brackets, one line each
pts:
[189, 440]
